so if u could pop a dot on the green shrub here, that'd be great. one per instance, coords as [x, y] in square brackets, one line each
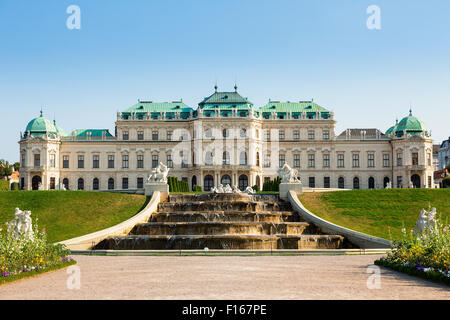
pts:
[272, 185]
[197, 189]
[4, 185]
[176, 185]
[255, 188]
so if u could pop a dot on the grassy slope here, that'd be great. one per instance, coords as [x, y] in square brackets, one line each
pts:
[381, 213]
[68, 214]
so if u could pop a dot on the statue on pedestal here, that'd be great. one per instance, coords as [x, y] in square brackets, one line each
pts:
[21, 225]
[427, 221]
[288, 175]
[159, 174]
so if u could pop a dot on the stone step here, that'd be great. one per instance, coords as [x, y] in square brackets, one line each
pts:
[183, 242]
[225, 216]
[219, 228]
[243, 206]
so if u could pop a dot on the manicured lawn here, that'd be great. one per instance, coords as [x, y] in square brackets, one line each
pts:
[68, 214]
[382, 213]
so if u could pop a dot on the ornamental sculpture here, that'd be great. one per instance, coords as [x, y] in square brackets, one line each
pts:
[427, 221]
[21, 226]
[288, 175]
[159, 174]
[229, 189]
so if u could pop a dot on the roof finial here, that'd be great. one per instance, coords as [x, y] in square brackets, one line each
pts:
[410, 108]
[41, 112]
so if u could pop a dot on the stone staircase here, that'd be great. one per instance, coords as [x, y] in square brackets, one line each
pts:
[223, 221]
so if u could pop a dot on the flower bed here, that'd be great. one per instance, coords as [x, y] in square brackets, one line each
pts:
[29, 255]
[426, 255]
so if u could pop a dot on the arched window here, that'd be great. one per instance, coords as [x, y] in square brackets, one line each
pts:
[341, 183]
[257, 159]
[194, 182]
[355, 183]
[243, 158]
[243, 182]
[80, 184]
[36, 182]
[66, 183]
[385, 181]
[226, 179]
[208, 183]
[226, 158]
[209, 158]
[371, 183]
[110, 184]
[95, 184]
[225, 133]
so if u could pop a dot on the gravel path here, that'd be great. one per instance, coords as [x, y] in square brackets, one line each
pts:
[223, 277]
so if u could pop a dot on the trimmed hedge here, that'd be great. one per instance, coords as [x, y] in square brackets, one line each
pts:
[4, 185]
[255, 188]
[197, 189]
[176, 185]
[272, 185]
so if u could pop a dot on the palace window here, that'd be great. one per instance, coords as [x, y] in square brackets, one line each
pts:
[355, 183]
[282, 160]
[415, 158]
[169, 135]
[296, 135]
[52, 183]
[267, 161]
[155, 161]
[140, 183]
[399, 159]
[226, 158]
[209, 158]
[37, 160]
[95, 161]
[243, 133]
[140, 161]
[95, 184]
[110, 184]
[266, 135]
[243, 158]
[80, 162]
[125, 162]
[110, 161]
[311, 160]
[154, 135]
[124, 183]
[184, 160]
[281, 135]
[341, 183]
[52, 161]
[326, 160]
[23, 164]
[80, 184]
[311, 135]
[326, 135]
[312, 182]
[169, 161]
[429, 159]
[326, 182]
[371, 160]
[125, 135]
[340, 160]
[140, 135]
[399, 181]
[296, 160]
[386, 160]
[225, 133]
[66, 162]
[355, 161]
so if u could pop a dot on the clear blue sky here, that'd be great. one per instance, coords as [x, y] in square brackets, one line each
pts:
[167, 50]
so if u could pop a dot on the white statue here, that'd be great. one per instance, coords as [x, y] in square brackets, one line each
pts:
[249, 190]
[40, 187]
[427, 220]
[228, 189]
[236, 190]
[411, 185]
[388, 185]
[159, 174]
[288, 175]
[21, 225]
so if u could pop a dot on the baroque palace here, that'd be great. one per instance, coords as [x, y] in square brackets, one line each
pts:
[226, 140]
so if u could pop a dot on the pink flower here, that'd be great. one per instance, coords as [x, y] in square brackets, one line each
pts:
[43, 231]
[445, 228]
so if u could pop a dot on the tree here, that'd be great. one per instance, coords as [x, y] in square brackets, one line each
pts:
[16, 166]
[5, 168]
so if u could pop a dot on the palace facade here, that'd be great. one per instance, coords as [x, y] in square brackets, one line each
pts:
[225, 140]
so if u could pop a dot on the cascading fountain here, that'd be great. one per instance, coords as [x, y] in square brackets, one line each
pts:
[223, 221]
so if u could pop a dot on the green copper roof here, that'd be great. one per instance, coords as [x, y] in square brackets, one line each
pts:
[392, 129]
[149, 106]
[225, 99]
[92, 132]
[40, 125]
[410, 124]
[307, 106]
